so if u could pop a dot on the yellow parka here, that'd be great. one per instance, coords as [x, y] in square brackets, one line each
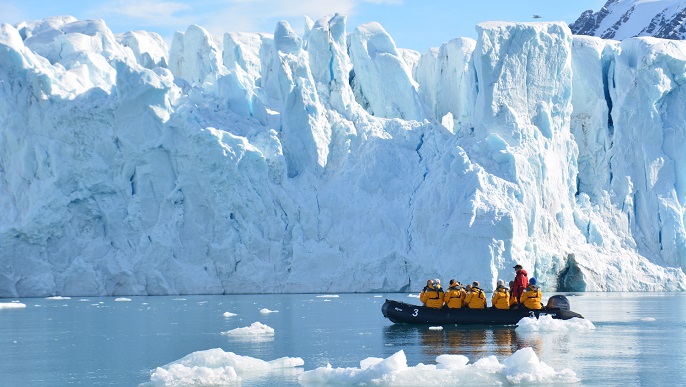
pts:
[531, 297]
[432, 297]
[476, 299]
[501, 298]
[455, 297]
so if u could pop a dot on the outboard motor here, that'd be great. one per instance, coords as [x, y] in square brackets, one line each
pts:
[558, 302]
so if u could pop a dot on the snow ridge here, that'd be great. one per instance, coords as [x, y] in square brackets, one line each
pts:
[622, 19]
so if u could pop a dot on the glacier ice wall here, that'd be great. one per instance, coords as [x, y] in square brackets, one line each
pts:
[336, 161]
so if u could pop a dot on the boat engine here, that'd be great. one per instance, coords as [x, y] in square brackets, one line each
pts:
[558, 302]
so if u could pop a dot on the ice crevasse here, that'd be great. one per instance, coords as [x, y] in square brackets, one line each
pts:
[335, 161]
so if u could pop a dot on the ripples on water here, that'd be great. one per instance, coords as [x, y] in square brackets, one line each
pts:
[640, 338]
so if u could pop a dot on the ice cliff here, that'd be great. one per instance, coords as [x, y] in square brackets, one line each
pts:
[337, 162]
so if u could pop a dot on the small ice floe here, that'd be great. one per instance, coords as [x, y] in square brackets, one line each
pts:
[255, 329]
[437, 328]
[122, 299]
[549, 324]
[214, 367]
[378, 296]
[179, 299]
[648, 319]
[413, 295]
[328, 296]
[12, 305]
[267, 311]
[58, 298]
[521, 367]
[84, 300]
[229, 314]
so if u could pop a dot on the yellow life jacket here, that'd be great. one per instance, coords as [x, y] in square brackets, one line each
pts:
[454, 297]
[476, 299]
[501, 299]
[531, 297]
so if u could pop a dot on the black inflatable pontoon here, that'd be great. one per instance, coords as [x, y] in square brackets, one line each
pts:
[401, 312]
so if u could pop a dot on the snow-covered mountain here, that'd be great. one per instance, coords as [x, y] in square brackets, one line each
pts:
[336, 161]
[622, 19]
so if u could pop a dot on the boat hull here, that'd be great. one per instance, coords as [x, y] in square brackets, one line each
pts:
[403, 313]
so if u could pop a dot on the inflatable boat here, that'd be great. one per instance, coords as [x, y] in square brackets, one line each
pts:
[401, 312]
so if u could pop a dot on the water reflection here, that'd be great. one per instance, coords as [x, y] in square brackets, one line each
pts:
[475, 342]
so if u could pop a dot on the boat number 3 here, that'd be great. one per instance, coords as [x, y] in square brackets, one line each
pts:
[416, 313]
[531, 314]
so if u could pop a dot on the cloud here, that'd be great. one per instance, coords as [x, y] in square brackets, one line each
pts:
[11, 13]
[218, 16]
[262, 15]
[148, 12]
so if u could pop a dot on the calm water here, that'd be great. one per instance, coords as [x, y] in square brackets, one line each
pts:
[640, 338]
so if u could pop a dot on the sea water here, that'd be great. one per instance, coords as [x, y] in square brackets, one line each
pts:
[639, 338]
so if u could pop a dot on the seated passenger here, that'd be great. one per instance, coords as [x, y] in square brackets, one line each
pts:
[455, 295]
[531, 297]
[476, 299]
[432, 295]
[501, 296]
[513, 298]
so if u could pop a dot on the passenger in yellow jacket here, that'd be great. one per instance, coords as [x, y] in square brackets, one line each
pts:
[513, 298]
[476, 299]
[455, 295]
[501, 296]
[432, 295]
[531, 297]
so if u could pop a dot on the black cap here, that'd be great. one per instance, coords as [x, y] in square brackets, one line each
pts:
[517, 266]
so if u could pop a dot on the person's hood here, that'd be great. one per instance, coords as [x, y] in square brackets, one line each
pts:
[524, 273]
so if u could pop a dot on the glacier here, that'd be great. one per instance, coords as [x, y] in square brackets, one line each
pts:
[336, 161]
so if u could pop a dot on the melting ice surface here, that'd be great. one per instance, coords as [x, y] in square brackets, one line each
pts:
[216, 367]
[450, 370]
[548, 324]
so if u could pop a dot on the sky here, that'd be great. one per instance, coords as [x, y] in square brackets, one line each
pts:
[414, 24]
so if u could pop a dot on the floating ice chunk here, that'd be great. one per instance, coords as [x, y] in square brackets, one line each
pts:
[255, 329]
[267, 311]
[378, 296]
[84, 300]
[328, 296]
[548, 324]
[58, 298]
[12, 305]
[525, 367]
[648, 319]
[413, 295]
[122, 299]
[181, 375]
[216, 367]
[522, 367]
[438, 328]
[229, 314]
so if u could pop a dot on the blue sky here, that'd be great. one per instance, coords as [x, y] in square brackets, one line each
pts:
[415, 24]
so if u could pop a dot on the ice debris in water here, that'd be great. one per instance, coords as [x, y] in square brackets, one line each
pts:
[267, 311]
[214, 367]
[451, 370]
[229, 314]
[58, 298]
[122, 299]
[328, 296]
[549, 324]
[12, 305]
[255, 329]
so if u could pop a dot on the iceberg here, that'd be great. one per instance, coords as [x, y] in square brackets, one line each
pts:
[335, 161]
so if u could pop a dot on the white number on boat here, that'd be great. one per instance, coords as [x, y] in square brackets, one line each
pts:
[416, 313]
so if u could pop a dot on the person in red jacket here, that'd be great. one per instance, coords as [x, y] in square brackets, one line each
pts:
[521, 281]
